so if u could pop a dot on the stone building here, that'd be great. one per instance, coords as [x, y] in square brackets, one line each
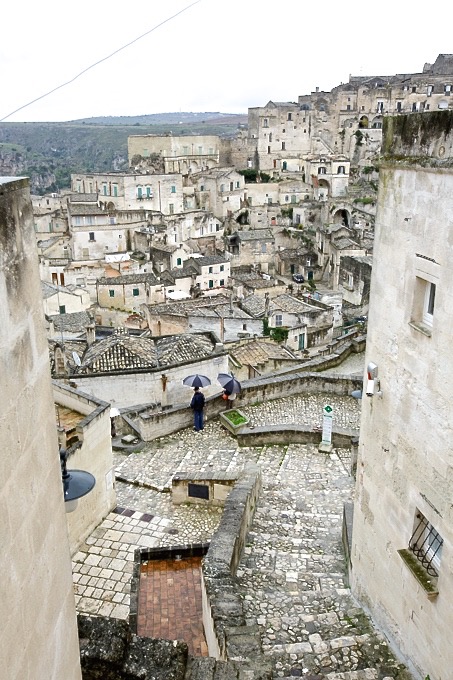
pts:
[129, 291]
[37, 607]
[344, 124]
[354, 279]
[126, 369]
[309, 322]
[220, 190]
[254, 247]
[216, 314]
[167, 154]
[402, 539]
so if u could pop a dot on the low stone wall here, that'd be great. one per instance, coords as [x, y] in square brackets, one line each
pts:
[230, 637]
[234, 648]
[292, 434]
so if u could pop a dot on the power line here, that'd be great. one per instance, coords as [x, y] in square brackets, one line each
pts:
[68, 82]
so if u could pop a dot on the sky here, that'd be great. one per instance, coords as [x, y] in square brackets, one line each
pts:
[199, 55]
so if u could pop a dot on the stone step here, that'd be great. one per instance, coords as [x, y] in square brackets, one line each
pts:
[365, 674]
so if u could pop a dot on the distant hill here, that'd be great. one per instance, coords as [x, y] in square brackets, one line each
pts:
[183, 117]
[49, 152]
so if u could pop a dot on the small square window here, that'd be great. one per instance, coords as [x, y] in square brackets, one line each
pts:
[91, 236]
[278, 320]
[222, 267]
[135, 292]
[111, 293]
[211, 283]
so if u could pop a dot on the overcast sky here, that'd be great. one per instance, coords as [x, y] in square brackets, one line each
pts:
[216, 55]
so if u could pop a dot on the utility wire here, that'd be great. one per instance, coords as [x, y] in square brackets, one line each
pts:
[68, 82]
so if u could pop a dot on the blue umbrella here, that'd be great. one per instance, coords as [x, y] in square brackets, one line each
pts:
[229, 383]
[196, 380]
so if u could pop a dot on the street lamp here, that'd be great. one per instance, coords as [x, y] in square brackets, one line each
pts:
[76, 483]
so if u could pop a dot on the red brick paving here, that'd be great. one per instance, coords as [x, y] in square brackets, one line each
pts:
[169, 603]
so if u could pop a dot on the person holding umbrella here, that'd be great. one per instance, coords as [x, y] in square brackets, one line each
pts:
[198, 400]
[231, 387]
[197, 405]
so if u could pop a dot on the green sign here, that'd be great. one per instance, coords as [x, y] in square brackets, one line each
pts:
[328, 409]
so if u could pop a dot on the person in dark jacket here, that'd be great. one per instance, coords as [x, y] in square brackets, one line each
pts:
[197, 405]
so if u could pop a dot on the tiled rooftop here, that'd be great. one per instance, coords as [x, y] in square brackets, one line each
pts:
[128, 279]
[74, 322]
[288, 303]
[256, 352]
[120, 351]
[185, 347]
[254, 305]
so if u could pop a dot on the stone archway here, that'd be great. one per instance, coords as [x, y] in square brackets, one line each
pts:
[364, 122]
[342, 216]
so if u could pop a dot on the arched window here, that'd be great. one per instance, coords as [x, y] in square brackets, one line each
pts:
[341, 170]
[321, 171]
[265, 123]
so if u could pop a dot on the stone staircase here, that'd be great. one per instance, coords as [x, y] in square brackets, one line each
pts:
[292, 575]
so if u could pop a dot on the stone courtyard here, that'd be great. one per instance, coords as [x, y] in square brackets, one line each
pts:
[292, 576]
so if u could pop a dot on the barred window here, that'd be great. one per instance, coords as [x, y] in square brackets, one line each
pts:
[426, 544]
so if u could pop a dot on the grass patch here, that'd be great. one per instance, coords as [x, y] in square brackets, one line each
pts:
[235, 418]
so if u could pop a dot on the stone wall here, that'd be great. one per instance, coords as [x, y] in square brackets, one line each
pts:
[37, 608]
[405, 461]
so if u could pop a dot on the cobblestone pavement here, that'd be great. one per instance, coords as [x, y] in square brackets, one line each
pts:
[292, 575]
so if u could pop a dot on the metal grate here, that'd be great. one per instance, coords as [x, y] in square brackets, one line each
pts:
[198, 491]
[426, 544]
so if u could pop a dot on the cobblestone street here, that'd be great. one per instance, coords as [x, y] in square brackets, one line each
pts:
[292, 574]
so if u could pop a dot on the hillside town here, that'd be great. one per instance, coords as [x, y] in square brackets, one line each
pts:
[304, 258]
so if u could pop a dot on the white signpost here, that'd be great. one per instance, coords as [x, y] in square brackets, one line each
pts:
[327, 420]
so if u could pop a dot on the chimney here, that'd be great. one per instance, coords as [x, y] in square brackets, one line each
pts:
[91, 334]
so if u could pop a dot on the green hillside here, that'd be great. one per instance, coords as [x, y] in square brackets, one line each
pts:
[49, 152]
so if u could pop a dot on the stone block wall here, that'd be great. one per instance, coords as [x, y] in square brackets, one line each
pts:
[37, 608]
